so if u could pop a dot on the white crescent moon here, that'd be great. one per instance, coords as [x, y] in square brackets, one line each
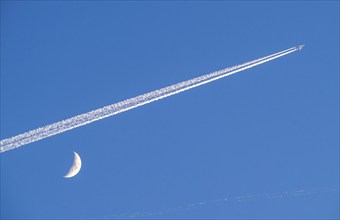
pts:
[75, 166]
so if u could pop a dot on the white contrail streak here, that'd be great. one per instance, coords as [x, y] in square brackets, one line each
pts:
[224, 201]
[83, 119]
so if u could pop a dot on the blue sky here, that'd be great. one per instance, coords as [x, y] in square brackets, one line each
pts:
[272, 128]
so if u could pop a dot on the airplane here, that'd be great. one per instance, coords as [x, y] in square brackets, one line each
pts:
[300, 47]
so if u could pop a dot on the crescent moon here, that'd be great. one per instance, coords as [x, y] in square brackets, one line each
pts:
[75, 166]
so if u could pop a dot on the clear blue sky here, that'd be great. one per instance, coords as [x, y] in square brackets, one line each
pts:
[268, 129]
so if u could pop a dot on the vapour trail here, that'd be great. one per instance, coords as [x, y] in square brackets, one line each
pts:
[95, 115]
[225, 201]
